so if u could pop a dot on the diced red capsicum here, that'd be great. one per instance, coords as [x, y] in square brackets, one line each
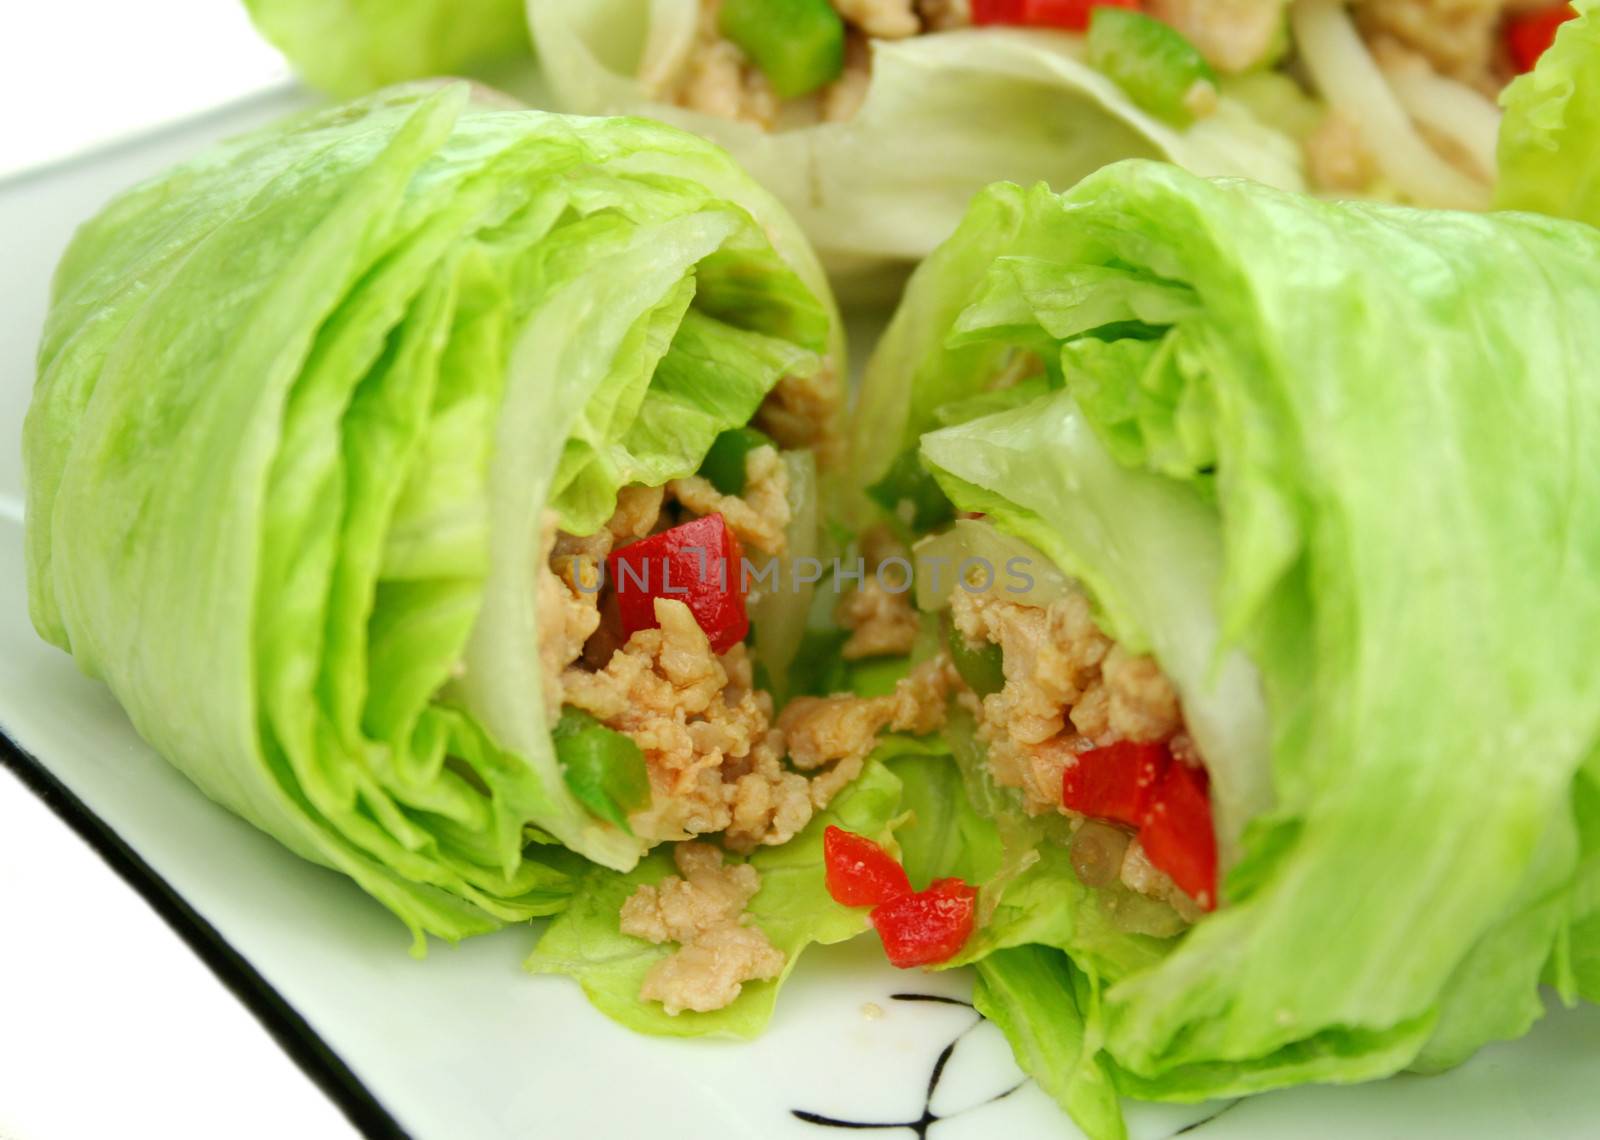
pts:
[1070, 14]
[1177, 833]
[1142, 786]
[917, 928]
[860, 873]
[1530, 34]
[927, 927]
[698, 563]
[1114, 782]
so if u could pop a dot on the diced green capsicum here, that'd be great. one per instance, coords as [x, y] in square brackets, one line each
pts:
[603, 769]
[797, 44]
[1159, 69]
[982, 667]
[724, 464]
[908, 488]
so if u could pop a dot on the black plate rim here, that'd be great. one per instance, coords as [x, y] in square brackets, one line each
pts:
[283, 1023]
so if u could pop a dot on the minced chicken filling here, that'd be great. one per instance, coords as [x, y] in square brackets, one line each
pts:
[718, 759]
[801, 414]
[1458, 40]
[702, 909]
[721, 81]
[881, 621]
[1069, 688]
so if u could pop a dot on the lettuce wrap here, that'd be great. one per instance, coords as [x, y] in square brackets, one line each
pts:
[877, 122]
[944, 115]
[311, 410]
[1325, 469]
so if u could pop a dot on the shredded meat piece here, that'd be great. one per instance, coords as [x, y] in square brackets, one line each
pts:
[1337, 157]
[567, 616]
[944, 15]
[1233, 35]
[1139, 874]
[842, 730]
[1458, 37]
[1068, 689]
[882, 19]
[1052, 656]
[710, 972]
[802, 412]
[576, 558]
[701, 909]
[1132, 700]
[714, 758]
[760, 518]
[881, 623]
[702, 728]
[638, 511]
[708, 894]
[720, 81]
[768, 804]
[842, 98]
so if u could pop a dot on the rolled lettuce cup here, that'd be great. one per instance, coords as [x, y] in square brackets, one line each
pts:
[334, 428]
[1325, 466]
[883, 168]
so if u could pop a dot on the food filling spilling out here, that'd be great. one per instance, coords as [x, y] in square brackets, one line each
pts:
[1077, 725]
[1083, 727]
[661, 725]
[665, 728]
[1368, 87]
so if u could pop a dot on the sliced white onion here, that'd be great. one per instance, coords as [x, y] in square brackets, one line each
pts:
[1348, 78]
[1451, 109]
[1004, 566]
[673, 26]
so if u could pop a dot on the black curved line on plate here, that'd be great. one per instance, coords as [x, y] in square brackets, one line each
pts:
[1195, 1126]
[938, 998]
[928, 1118]
[280, 1019]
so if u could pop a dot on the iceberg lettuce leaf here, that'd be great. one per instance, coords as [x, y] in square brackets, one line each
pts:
[1348, 454]
[302, 406]
[1048, 1011]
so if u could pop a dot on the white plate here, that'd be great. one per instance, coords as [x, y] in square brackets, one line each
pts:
[464, 1045]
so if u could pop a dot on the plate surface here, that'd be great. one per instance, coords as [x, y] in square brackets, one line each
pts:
[463, 1045]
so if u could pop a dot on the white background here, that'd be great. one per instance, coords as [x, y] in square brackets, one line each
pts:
[75, 74]
[109, 1026]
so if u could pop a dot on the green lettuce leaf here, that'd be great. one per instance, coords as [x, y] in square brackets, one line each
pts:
[944, 836]
[351, 47]
[1325, 462]
[792, 908]
[1049, 1012]
[946, 114]
[302, 405]
[1550, 136]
